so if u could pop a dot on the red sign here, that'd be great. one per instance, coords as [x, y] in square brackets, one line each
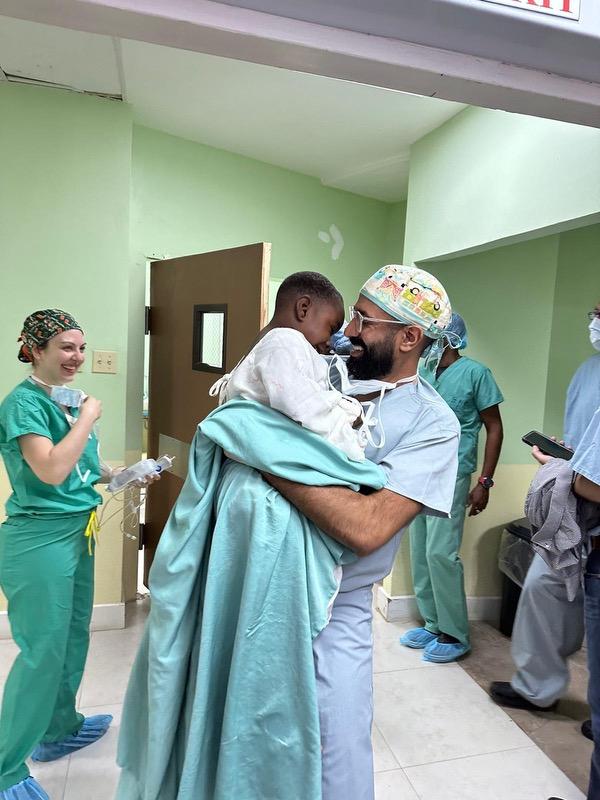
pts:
[566, 9]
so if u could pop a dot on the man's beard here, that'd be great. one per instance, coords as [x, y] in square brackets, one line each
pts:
[376, 361]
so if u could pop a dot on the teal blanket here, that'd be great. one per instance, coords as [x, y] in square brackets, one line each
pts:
[221, 703]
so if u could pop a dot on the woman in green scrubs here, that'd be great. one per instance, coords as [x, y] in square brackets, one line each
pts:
[50, 452]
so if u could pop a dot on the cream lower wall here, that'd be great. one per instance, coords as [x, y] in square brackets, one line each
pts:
[481, 537]
[110, 554]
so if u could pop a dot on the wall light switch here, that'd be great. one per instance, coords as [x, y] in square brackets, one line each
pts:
[104, 361]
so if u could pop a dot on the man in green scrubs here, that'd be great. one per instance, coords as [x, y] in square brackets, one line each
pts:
[472, 393]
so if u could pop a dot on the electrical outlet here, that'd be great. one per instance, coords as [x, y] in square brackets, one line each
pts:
[104, 361]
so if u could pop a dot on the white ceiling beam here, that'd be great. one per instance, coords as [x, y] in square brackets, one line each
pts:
[209, 27]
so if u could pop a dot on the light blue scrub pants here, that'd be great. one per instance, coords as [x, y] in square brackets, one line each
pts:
[343, 654]
[547, 630]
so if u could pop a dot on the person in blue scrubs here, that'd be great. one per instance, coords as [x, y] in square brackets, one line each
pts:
[472, 393]
[586, 484]
[400, 310]
[586, 465]
[548, 628]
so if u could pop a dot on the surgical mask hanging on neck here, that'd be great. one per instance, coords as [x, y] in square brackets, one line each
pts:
[594, 329]
[358, 388]
[63, 395]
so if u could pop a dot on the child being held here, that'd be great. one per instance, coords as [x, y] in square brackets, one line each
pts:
[285, 371]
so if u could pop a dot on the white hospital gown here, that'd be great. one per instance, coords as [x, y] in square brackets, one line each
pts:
[283, 371]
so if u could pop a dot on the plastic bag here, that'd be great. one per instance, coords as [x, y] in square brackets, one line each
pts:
[514, 557]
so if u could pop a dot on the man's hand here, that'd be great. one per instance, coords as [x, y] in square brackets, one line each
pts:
[544, 458]
[478, 499]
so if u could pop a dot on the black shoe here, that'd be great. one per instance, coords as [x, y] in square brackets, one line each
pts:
[502, 693]
[586, 729]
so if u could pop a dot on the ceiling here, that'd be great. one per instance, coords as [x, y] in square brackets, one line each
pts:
[350, 136]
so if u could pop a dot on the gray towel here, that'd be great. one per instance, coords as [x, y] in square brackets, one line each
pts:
[562, 522]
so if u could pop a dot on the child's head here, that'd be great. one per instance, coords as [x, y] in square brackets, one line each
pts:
[310, 303]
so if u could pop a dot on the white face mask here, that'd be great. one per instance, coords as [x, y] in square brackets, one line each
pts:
[594, 329]
[72, 398]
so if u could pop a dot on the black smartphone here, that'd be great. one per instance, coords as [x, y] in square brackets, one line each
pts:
[547, 445]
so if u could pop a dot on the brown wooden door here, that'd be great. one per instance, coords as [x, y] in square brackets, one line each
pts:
[197, 304]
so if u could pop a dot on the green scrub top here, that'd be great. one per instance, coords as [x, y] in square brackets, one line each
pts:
[28, 409]
[468, 387]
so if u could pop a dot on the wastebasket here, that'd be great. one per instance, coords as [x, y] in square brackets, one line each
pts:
[514, 559]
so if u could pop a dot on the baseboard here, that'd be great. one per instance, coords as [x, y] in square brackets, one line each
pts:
[105, 617]
[404, 608]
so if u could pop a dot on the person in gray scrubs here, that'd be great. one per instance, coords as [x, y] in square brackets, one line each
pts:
[399, 312]
[548, 628]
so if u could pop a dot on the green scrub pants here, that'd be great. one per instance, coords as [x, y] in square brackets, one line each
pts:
[437, 571]
[47, 576]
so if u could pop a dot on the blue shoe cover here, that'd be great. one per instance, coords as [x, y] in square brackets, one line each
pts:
[29, 789]
[441, 653]
[93, 728]
[417, 638]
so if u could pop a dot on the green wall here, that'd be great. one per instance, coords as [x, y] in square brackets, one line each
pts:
[505, 295]
[188, 198]
[394, 244]
[86, 197]
[504, 209]
[577, 291]
[486, 175]
[525, 306]
[64, 229]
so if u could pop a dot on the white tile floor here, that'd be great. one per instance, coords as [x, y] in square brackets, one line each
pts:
[437, 735]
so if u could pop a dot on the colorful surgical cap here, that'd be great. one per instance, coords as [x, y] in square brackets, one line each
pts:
[40, 327]
[411, 295]
[458, 327]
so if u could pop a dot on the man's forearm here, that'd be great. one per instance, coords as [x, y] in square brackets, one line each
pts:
[586, 488]
[493, 445]
[361, 522]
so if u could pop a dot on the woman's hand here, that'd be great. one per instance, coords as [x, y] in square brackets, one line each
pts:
[91, 410]
[148, 479]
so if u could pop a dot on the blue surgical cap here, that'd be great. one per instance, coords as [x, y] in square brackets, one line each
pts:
[458, 327]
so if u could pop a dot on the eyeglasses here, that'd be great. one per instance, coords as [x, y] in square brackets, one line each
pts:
[595, 314]
[360, 319]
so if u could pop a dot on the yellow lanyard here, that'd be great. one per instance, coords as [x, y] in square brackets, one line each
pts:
[92, 530]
